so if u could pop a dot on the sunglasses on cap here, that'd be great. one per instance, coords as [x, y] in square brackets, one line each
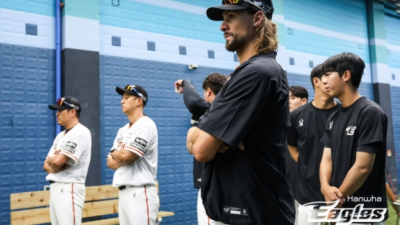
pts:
[234, 2]
[132, 88]
[61, 102]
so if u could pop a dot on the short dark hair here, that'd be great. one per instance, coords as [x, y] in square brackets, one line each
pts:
[299, 92]
[214, 81]
[316, 72]
[346, 61]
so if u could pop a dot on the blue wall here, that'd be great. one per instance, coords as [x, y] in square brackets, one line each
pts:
[26, 123]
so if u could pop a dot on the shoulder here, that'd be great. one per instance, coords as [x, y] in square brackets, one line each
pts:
[147, 122]
[80, 131]
[265, 67]
[371, 109]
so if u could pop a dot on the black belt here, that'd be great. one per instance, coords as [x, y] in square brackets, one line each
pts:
[122, 187]
[51, 182]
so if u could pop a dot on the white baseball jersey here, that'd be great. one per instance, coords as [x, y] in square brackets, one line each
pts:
[140, 138]
[76, 144]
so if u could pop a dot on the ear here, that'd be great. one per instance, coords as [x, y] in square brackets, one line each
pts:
[72, 112]
[346, 76]
[209, 92]
[140, 101]
[304, 100]
[316, 81]
[258, 18]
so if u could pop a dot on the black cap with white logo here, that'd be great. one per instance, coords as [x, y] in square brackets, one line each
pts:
[66, 102]
[215, 13]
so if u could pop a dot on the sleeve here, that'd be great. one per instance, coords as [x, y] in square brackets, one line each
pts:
[372, 127]
[371, 148]
[195, 104]
[141, 139]
[326, 138]
[292, 132]
[76, 145]
[239, 107]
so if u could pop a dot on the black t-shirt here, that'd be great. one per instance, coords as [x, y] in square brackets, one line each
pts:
[197, 106]
[249, 187]
[350, 130]
[291, 172]
[305, 133]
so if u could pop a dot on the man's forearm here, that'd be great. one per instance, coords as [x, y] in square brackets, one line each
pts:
[111, 163]
[47, 168]
[354, 179]
[325, 173]
[122, 157]
[190, 139]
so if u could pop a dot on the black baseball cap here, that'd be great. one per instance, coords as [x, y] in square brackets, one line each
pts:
[66, 102]
[215, 13]
[135, 90]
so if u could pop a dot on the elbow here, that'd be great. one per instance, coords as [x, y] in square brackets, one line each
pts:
[201, 156]
[365, 170]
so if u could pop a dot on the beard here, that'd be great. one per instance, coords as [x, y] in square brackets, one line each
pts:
[236, 43]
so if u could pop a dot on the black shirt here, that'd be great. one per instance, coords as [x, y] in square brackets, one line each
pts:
[197, 106]
[249, 187]
[305, 133]
[357, 128]
[291, 173]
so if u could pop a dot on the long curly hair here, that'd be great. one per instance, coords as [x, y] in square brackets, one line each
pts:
[266, 37]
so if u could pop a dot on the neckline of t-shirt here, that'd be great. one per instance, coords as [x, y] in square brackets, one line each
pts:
[66, 131]
[271, 54]
[323, 109]
[354, 103]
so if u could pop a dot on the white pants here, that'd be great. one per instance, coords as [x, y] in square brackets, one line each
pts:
[296, 206]
[138, 206]
[217, 223]
[66, 203]
[202, 218]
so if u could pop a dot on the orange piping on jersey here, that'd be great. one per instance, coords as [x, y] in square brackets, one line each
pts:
[147, 204]
[68, 153]
[73, 204]
[134, 149]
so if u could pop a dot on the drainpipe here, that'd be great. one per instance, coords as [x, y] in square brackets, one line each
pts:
[58, 55]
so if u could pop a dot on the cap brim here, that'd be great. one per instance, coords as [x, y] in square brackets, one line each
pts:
[121, 91]
[215, 13]
[57, 107]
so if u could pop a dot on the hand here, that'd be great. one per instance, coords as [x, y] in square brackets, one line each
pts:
[225, 147]
[178, 86]
[332, 194]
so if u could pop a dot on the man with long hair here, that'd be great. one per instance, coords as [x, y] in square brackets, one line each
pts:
[242, 137]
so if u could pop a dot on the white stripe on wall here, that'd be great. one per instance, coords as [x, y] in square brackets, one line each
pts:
[13, 29]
